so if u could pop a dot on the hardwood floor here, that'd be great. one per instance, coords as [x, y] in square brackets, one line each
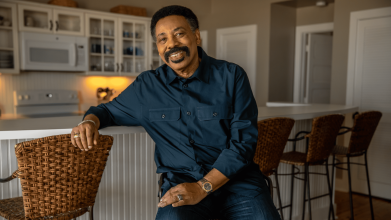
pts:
[362, 211]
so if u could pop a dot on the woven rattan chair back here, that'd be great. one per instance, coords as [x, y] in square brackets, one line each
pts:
[363, 129]
[57, 177]
[273, 134]
[322, 137]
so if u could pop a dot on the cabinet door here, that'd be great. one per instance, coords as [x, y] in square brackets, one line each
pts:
[68, 22]
[134, 49]
[155, 57]
[9, 51]
[37, 19]
[103, 38]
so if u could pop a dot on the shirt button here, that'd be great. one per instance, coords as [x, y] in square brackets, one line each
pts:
[188, 113]
[184, 85]
[214, 114]
[163, 115]
[191, 141]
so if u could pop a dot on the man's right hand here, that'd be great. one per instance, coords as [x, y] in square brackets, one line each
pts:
[88, 134]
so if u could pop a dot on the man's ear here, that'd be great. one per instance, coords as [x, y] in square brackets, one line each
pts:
[198, 36]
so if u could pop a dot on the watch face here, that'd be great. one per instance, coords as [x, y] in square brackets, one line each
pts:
[207, 186]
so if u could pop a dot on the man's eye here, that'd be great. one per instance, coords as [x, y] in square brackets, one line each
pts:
[179, 34]
[162, 40]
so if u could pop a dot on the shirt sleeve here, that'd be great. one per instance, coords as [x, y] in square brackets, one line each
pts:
[123, 110]
[244, 129]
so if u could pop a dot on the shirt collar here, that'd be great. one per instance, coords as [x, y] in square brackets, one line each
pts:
[200, 73]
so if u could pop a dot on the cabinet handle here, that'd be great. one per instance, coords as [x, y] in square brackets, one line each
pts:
[51, 25]
[117, 67]
[122, 67]
[57, 25]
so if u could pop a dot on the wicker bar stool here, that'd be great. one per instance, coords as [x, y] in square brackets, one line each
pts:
[58, 180]
[319, 145]
[273, 134]
[363, 129]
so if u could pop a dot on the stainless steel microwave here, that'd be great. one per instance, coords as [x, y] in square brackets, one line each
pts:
[50, 52]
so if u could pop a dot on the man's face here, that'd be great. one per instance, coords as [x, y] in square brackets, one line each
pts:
[176, 43]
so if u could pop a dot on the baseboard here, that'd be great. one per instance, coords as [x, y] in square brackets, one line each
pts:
[317, 214]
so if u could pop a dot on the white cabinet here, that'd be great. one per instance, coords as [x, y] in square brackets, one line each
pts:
[9, 50]
[118, 46]
[156, 59]
[133, 47]
[49, 20]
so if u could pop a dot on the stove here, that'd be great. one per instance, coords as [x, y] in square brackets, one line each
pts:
[46, 103]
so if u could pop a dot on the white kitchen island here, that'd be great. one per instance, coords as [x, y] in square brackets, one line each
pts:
[129, 185]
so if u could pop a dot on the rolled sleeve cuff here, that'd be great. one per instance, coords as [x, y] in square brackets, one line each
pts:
[100, 113]
[230, 163]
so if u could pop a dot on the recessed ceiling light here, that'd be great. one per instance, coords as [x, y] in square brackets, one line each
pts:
[321, 3]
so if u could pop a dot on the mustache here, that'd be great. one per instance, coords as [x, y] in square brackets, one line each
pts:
[174, 50]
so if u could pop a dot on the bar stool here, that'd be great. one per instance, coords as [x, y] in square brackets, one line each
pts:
[319, 145]
[273, 134]
[363, 129]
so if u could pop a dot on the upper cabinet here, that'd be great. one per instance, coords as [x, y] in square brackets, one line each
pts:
[133, 48]
[9, 50]
[118, 46]
[49, 20]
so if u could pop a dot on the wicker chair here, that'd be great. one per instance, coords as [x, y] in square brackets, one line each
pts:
[58, 180]
[273, 134]
[319, 145]
[363, 129]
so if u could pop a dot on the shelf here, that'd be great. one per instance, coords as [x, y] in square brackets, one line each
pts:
[127, 56]
[127, 38]
[140, 57]
[96, 36]
[108, 55]
[109, 37]
[5, 28]
[7, 48]
[139, 40]
[96, 54]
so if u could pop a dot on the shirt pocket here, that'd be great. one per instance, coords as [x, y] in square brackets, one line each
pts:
[214, 124]
[164, 114]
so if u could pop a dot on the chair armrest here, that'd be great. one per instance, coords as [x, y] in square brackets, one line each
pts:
[301, 138]
[13, 176]
[344, 132]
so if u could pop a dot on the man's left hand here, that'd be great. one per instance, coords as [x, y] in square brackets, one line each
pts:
[191, 193]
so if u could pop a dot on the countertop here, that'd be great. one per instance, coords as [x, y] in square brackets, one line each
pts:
[20, 128]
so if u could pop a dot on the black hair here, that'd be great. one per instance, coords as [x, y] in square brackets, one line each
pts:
[174, 10]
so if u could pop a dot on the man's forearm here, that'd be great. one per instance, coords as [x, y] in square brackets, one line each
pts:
[216, 178]
[93, 118]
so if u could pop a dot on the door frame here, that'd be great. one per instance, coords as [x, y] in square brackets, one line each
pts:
[300, 49]
[252, 29]
[355, 18]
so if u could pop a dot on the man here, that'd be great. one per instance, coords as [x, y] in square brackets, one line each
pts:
[202, 115]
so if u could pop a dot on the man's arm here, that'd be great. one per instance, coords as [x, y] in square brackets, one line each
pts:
[123, 110]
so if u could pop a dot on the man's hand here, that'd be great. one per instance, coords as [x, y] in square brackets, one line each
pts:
[191, 193]
[88, 134]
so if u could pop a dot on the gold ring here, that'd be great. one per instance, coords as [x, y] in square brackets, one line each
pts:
[77, 135]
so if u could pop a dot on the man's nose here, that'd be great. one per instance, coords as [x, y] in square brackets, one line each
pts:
[172, 42]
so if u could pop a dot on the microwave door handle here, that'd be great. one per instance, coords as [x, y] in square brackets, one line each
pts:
[73, 62]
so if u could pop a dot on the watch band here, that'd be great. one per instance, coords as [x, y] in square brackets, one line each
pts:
[206, 186]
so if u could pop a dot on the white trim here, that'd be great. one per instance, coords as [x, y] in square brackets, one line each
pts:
[204, 38]
[220, 48]
[355, 18]
[301, 31]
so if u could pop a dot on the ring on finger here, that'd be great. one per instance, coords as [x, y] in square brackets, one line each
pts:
[77, 135]
[180, 198]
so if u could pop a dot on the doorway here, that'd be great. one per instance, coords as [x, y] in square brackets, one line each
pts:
[238, 45]
[312, 71]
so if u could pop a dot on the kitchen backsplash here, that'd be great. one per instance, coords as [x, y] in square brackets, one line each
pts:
[86, 85]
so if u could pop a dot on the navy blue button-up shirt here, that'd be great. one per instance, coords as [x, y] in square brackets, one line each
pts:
[206, 121]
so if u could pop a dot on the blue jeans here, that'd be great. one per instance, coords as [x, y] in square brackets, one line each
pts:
[224, 205]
